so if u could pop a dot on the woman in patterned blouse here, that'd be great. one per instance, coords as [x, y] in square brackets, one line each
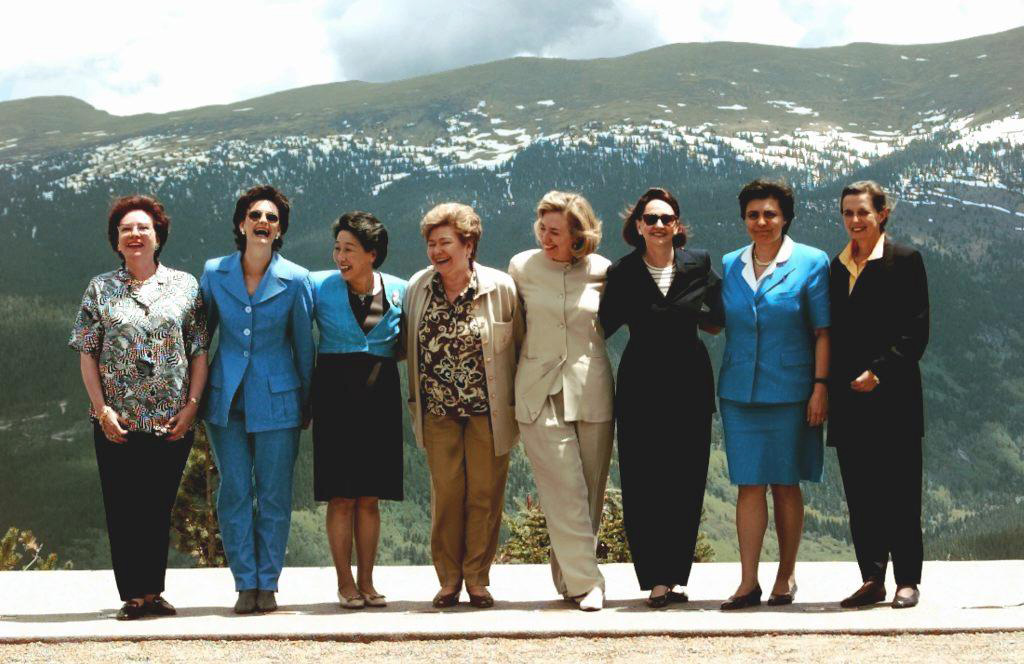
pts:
[141, 333]
[464, 329]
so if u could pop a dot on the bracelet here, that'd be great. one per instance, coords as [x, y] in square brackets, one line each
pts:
[193, 400]
[823, 381]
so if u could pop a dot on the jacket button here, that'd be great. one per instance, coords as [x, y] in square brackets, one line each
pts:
[246, 332]
[248, 310]
[245, 353]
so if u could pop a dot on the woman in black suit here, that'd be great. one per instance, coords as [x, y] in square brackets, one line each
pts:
[879, 295]
[665, 394]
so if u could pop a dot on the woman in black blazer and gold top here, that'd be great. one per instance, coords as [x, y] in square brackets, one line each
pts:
[665, 394]
[879, 295]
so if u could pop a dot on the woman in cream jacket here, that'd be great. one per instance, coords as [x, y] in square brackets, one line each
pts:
[563, 387]
[463, 330]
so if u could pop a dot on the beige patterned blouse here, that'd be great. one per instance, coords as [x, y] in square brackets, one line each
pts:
[451, 356]
[143, 333]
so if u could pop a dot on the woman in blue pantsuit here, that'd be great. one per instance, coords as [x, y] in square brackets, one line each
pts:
[772, 385]
[258, 391]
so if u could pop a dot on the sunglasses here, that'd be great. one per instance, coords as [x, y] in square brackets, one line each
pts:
[256, 215]
[665, 219]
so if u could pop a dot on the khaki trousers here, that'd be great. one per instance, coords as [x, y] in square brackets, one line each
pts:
[570, 467]
[467, 497]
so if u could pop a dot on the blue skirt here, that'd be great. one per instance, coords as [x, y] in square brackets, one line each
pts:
[771, 443]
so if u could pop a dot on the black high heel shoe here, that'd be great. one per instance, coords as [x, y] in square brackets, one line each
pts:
[753, 598]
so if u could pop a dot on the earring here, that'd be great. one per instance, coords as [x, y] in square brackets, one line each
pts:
[243, 233]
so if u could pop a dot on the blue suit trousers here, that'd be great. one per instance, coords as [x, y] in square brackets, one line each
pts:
[254, 500]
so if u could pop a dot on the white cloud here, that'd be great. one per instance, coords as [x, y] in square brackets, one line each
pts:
[130, 57]
[133, 57]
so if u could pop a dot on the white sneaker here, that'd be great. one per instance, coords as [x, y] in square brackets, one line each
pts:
[592, 601]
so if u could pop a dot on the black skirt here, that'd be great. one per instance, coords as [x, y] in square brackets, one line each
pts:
[357, 427]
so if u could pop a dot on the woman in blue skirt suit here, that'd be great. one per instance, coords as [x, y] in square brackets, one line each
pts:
[258, 391]
[772, 385]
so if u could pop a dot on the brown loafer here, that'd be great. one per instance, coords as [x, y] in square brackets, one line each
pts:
[443, 600]
[481, 601]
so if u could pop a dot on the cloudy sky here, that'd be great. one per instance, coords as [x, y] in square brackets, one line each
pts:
[130, 56]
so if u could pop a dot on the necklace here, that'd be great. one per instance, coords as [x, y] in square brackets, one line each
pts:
[760, 263]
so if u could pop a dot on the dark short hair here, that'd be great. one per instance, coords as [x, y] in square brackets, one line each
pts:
[879, 200]
[154, 208]
[629, 232]
[777, 189]
[263, 192]
[367, 229]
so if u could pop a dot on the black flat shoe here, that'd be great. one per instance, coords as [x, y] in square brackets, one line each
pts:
[753, 598]
[265, 601]
[246, 602]
[872, 592]
[658, 601]
[158, 606]
[679, 597]
[131, 611]
[782, 600]
[906, 602]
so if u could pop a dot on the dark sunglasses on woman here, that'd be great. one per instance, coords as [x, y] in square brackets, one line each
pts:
[255, 215]
[665, 219]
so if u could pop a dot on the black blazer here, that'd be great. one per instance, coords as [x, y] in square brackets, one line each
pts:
[665, 360]
[882, 326]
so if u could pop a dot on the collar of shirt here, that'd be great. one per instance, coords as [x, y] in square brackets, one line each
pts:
[785, 251]
[846, 258]
[467, 294]
[124, 276]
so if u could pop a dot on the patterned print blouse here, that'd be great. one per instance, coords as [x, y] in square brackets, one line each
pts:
[451, 356]
[143, 334]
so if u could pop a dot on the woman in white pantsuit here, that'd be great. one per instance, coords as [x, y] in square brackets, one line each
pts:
[564, 387]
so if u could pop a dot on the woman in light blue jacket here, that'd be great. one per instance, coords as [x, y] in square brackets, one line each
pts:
[772, 385]
[357, 399]
[258, 391]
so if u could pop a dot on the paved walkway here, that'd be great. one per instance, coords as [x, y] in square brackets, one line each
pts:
[80, 605]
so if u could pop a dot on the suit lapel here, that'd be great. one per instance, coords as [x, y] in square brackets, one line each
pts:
[273, 282]
[234, 282]
[684, 263]
[777, 277]
[735, 277]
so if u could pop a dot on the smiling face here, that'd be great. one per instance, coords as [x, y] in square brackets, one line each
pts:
[764, 221]
[447, 252]
[261, 225]
[136, 236]
[862, 221]
[555, 236]
[660, 234]
[354, 262]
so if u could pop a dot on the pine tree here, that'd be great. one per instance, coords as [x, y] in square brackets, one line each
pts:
[194, 518]
[16, 544]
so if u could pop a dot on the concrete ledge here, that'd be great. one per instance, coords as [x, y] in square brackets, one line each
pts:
[80, 605]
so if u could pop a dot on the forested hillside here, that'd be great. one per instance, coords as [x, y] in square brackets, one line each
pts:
[956, 179]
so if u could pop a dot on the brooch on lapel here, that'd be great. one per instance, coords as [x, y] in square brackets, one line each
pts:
[395, 299]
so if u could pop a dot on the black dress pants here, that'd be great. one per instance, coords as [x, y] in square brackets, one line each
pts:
[663, 468]
[140, 479]
[882, 480]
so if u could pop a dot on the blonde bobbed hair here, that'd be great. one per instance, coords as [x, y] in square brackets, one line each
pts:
[584, 225]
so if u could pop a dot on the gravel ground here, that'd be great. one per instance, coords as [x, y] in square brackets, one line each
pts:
[1005, 647]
